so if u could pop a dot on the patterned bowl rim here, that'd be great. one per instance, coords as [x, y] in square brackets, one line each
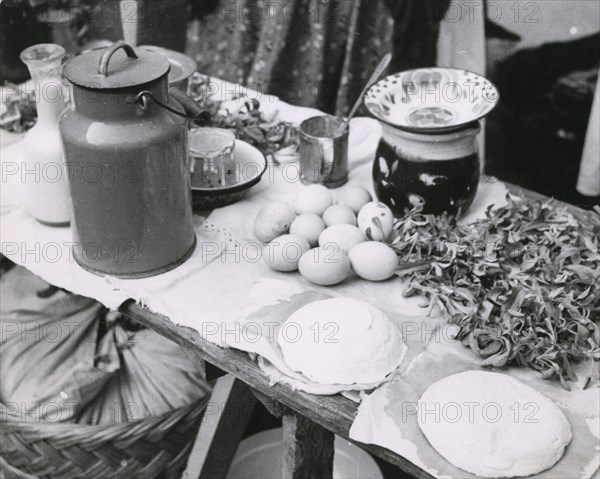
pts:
[417, 129]
[227, 190]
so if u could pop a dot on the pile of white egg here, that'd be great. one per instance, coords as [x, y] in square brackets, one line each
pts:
[326, 239]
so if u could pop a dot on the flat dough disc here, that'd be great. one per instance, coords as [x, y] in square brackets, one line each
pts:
[492, 425]
[341, 341]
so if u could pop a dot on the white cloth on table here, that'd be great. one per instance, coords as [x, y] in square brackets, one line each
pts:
[204, 292]
[46, 251]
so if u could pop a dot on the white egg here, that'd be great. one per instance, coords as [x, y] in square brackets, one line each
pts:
[376, 221]
[373, 261]
[309, 226]
[313, 199]
[284, 252]
[273, 220]
[345, 237]
[325, 266]
[339, 214]
[354, 197]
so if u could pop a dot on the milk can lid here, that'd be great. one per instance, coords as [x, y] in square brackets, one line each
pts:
[115, 67]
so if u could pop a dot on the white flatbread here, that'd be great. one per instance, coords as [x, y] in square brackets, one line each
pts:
[341, 341]
[492, 425]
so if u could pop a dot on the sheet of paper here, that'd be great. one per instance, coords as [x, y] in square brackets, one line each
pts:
[271, 302]
[388, 416]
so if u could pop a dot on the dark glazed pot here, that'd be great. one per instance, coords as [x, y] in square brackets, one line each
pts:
[441, 170]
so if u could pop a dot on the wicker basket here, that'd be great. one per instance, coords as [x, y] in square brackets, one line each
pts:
[149, 448]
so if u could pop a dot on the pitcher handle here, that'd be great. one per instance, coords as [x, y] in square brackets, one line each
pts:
[110, 51]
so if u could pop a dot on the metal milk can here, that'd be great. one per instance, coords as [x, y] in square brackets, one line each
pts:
[126, 156]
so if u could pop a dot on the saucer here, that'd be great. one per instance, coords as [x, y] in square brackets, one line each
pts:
[250, 165]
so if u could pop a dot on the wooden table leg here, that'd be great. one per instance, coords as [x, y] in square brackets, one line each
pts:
[224, 422]
[307, 449]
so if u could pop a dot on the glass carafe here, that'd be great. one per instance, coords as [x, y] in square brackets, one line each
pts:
[46, 193]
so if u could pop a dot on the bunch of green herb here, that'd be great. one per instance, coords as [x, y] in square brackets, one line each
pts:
[248, 122]
[18, 113]
[522, 285]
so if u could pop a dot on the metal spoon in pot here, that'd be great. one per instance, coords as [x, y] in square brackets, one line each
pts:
[372, 79]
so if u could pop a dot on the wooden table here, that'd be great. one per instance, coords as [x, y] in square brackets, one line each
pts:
[309, 421]
[307, 417]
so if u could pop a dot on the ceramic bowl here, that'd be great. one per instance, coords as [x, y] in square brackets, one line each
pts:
[250, 166]
[429, 100]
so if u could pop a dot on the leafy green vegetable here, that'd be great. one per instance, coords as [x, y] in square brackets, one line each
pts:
[248, 123]
[18, 113]
[523, 285]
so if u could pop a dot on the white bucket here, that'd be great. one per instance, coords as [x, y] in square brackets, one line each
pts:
[259, 457]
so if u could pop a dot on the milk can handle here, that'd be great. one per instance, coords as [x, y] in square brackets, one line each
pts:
[193, 111]
[103, 66]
